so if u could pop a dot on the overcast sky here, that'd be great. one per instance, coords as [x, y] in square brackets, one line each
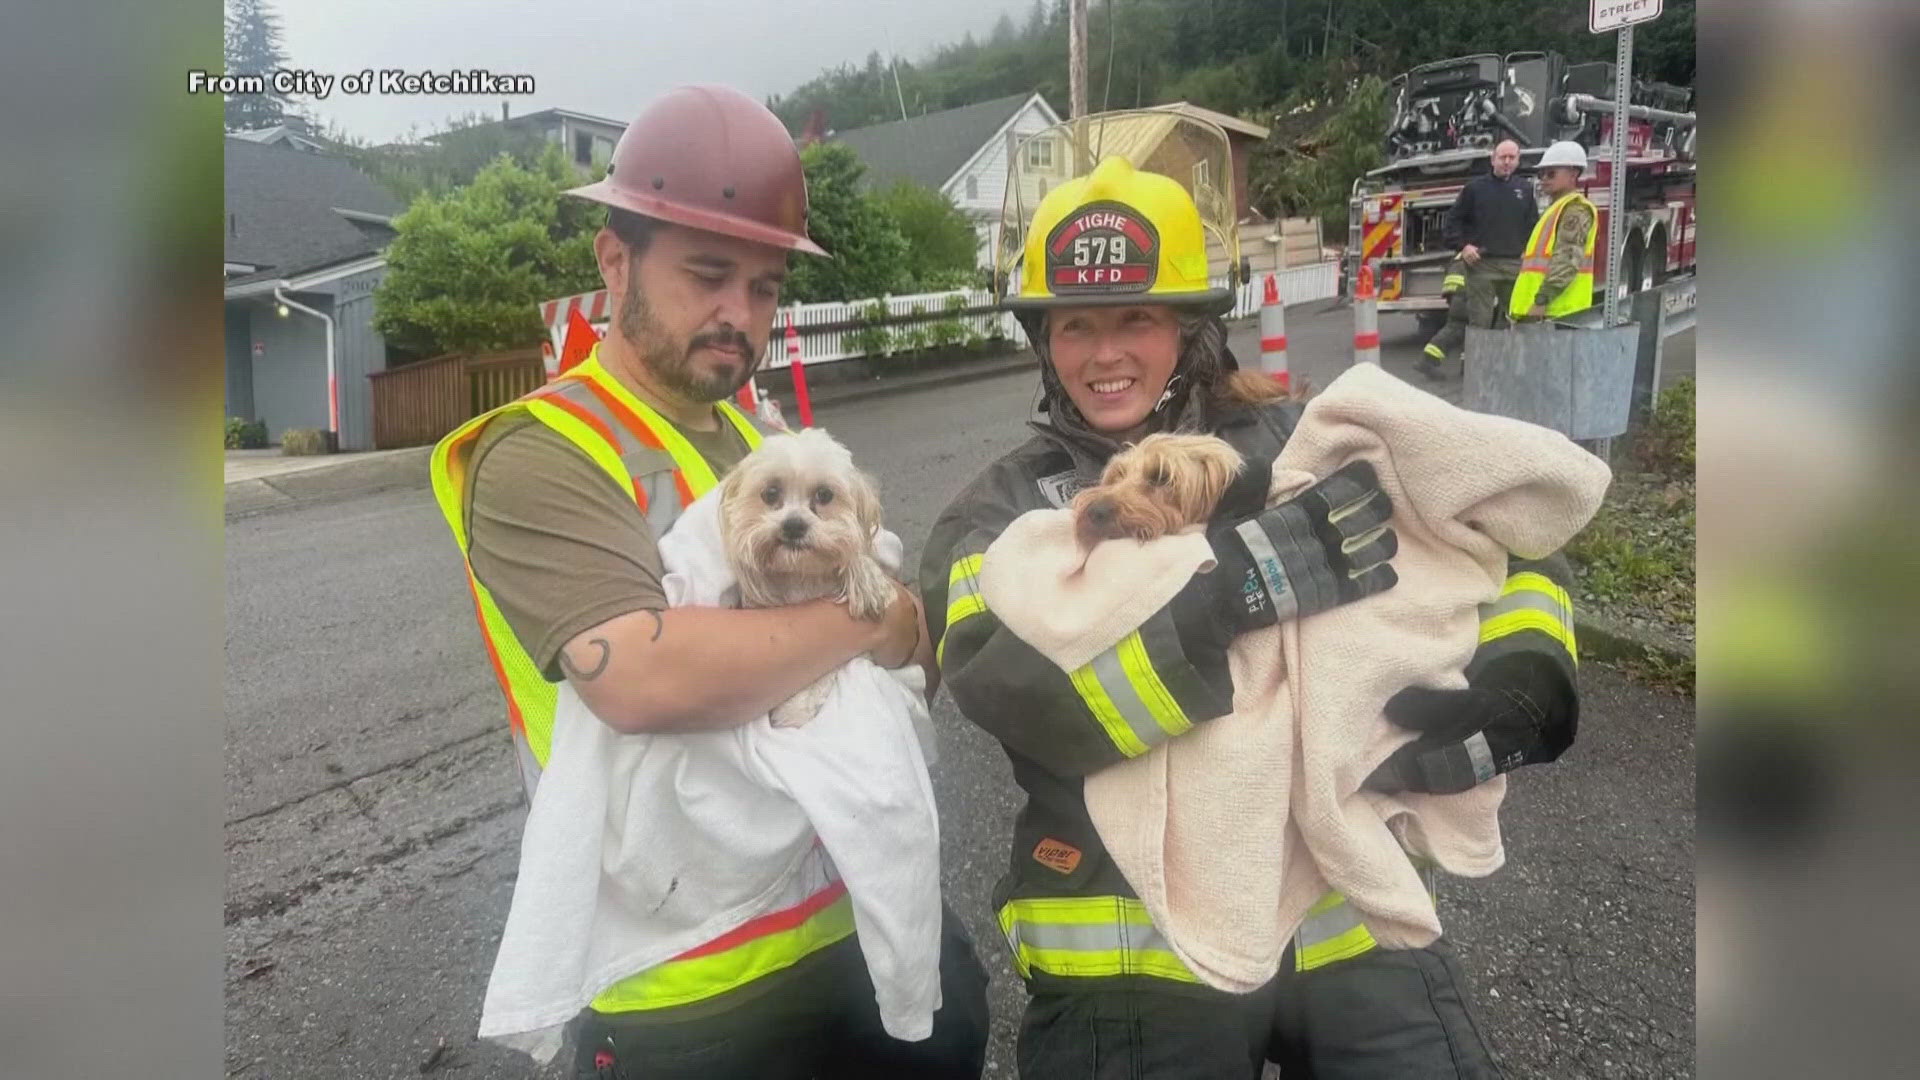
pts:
[605, 58]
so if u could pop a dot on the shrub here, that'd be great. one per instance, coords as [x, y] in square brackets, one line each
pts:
[946, 332]
[872, 339]
[303, 442]
[246, 434]
[1664, 444]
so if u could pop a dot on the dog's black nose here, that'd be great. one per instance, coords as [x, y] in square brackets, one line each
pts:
[1100, 512]
[793, 528]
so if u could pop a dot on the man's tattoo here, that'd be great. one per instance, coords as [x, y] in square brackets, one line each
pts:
[659, 624]
[573, 670]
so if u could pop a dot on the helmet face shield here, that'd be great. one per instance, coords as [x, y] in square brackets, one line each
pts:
[1133, 206]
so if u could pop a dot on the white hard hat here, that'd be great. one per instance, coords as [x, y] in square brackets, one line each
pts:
[1564, 153]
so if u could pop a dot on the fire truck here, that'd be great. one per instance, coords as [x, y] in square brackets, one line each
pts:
[1448, 116]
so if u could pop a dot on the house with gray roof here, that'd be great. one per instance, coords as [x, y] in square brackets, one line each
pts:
[305, 237]
[962, 153]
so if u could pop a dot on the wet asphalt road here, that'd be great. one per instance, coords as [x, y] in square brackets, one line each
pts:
[373, 811]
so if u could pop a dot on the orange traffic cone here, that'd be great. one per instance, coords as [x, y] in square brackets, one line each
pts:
[798, 369]
[1273, 334]
[1366, 320]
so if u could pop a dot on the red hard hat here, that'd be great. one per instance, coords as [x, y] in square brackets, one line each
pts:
[711, 158]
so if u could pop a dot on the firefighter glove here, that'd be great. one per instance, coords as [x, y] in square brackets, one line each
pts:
[1521, 710]
[1326, 546]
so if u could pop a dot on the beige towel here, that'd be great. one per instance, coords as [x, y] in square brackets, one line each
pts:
[1230, 832]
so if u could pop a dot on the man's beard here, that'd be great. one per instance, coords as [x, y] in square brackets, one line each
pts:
[672, 362]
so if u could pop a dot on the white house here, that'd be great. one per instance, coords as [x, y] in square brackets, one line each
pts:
[961, 152]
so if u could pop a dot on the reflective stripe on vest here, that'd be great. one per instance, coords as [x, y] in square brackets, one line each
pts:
[1087, 937]
[1122, 690]
[1578, 295]
[963, 598]
[813, 913]
[1101, 936]
[609, 424]
[619, 431]
[1530, 601]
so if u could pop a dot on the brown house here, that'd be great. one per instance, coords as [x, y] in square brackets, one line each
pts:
[1242, 137]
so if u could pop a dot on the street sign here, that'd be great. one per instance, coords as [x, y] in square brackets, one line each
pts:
[1605, 15]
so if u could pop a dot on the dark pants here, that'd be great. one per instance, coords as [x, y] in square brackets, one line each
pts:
[1384, 1015]
[819, 1021]
[1489, 284]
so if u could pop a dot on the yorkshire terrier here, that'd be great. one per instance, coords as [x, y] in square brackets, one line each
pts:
[1166, 483]
[799, 522]
[1160, 485]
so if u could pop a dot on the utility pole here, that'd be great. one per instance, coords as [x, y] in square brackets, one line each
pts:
[893, 61]
[1077, 82]
[1077, 57]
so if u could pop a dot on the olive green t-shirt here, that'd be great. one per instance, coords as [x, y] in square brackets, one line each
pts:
[556, 541]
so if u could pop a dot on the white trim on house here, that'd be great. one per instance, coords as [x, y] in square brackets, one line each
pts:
[571, 115]
[998, 135]
[323, 276]
[332, 274]
[362, 215]
[233, 268]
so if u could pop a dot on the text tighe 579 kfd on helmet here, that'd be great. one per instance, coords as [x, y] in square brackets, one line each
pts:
[1119, 208]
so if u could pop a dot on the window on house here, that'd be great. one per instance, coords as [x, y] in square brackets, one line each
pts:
[973, 187]
[1040, 154]
[583, 148]
[1200, 175]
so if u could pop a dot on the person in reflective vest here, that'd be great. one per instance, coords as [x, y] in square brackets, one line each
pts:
[556, 502]
[1556, 271]
[1147, 353]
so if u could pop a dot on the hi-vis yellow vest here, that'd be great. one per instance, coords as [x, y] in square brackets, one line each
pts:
[1578, 295]
[644, 453]
[636, 446]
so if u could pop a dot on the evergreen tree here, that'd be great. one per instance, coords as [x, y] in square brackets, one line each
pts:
[253, 48]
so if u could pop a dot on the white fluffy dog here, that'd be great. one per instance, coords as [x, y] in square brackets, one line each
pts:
[799, 522]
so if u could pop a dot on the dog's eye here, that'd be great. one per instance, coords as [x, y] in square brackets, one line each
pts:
[1157, 476]
[822, 495]
[770, 494]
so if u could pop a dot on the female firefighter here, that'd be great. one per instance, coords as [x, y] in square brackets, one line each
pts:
[1116, 301]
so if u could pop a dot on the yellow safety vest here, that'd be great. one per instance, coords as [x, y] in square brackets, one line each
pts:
[1578, 295]
[646, 455]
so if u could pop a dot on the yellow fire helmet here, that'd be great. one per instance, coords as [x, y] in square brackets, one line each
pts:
[1120, 208]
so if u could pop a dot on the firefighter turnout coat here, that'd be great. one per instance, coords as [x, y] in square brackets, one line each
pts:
[1069, 915]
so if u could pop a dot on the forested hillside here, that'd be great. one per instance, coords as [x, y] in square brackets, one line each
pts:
[1244, 57]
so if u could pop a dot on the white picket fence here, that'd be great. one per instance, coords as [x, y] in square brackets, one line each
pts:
[825, 346]
[1316, 281]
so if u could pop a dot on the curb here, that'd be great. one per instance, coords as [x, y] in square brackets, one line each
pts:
[401, 468]
[1604, 639]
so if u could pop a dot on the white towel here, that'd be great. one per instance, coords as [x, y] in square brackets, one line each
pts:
[1230, 832]
[640, 847]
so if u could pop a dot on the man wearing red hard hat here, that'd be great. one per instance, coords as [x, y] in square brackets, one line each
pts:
[557, 501]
